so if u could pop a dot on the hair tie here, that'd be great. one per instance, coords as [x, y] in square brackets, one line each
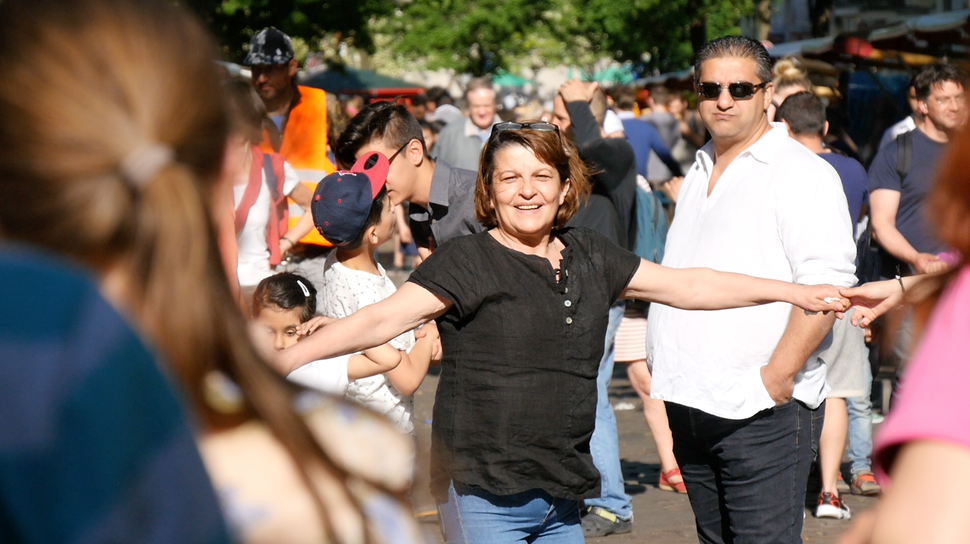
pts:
[306, 292]
[145, 161]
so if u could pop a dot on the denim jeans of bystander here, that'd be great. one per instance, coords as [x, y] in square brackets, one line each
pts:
[746, 479]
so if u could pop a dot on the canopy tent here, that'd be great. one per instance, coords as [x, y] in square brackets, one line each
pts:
[346, 80]
[505, 79]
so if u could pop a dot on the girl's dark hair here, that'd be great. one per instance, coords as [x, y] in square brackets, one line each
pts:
[286, 291]
[373, 218]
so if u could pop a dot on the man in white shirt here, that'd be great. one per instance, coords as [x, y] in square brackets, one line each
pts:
[744, 388]
[908, 124]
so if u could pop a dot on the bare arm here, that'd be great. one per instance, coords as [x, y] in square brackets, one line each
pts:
[372, 362]
[371, 326]
[802, 337]
[408, 375]
[706, 289]
[884, 204]
[300, 194]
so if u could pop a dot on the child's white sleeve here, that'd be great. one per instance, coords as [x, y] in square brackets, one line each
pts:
[326, 375]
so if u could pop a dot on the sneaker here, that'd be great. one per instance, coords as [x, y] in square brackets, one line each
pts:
[831, 506]
[601, 522]
[841, 486]
[864, 483]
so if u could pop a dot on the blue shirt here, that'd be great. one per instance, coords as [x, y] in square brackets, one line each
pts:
[854, 183]
[643, 138]
[913, 189]
[94, 446]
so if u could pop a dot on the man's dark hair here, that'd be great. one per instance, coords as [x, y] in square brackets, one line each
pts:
[388, 122]
[373, 218]
[804, 113]
[734, 46]
[624, 98]
[419, 100]
[435, 94]
[284, 292]
[935, 75]
[434, 126]
[660, 94]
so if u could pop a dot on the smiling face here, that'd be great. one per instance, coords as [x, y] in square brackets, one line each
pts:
[526, 193]
[732, 120]
[281, 325]
[946, 106]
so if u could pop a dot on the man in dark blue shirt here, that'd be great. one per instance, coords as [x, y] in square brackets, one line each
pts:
[897, 201]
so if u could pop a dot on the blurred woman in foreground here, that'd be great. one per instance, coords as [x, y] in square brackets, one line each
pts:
[928, 431]
[114, 132]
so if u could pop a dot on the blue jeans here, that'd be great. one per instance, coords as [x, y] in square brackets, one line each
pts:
[746, 479]
[860, 428]
[604, 445]
[473, 516]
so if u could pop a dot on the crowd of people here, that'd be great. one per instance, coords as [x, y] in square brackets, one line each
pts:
[201, 345]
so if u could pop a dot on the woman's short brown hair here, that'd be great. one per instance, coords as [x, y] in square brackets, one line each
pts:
[549, 148]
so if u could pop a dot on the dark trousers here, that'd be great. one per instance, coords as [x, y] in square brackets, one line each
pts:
[746, 478]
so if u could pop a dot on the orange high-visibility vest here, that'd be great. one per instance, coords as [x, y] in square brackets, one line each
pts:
[305, 148]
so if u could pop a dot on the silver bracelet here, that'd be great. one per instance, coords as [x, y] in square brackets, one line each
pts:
[900, 280]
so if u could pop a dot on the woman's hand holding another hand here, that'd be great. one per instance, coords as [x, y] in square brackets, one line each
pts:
[820, 298]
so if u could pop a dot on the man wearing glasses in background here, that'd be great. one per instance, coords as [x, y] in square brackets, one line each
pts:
[744, 388]
[442, 198]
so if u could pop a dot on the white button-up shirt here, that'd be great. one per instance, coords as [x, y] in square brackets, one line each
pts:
[778, 211]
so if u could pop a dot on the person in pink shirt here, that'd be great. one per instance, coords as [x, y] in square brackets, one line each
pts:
[927, 434]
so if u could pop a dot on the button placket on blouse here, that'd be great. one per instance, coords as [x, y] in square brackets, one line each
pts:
[567, 303]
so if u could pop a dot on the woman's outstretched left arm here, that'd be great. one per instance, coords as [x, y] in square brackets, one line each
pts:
[706, 289]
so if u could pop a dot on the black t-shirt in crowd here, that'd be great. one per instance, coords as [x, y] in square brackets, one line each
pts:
[913, 189]
[516, 401]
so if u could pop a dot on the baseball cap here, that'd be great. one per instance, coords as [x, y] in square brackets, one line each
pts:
[342, 201]
[269, 46]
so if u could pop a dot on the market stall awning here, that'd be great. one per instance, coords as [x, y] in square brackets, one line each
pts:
[346, 80]
[936, 34]
[681, 80]
[800, 47]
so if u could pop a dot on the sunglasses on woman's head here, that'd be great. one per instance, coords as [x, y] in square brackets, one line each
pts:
[538, 127]
[740, 90]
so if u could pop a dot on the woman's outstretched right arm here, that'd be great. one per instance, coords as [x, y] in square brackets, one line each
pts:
[371, 326]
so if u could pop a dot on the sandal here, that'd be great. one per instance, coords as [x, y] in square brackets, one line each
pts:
[667, 485]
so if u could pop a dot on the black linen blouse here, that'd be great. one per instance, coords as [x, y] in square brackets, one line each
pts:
[516, 401]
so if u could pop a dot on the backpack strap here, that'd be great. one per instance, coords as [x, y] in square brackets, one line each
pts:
[252, 190]
[904, 154]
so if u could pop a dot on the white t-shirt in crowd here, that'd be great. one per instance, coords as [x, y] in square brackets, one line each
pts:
[612, 122]
[778, 211]
[326, 375]
[345, 292]
[253, 262]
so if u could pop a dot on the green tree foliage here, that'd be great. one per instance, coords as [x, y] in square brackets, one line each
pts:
[235, 21]
[475, 36]
[668, 31]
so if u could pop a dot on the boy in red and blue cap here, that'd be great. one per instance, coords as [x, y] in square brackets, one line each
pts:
[351, 210]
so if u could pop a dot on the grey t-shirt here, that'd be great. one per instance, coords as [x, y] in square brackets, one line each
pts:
[451, 207]
[669, 130]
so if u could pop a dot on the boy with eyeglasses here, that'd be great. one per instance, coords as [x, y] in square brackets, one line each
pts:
[744, 389]
[441, 198]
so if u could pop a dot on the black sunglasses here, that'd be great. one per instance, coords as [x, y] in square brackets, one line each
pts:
[740, 90]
